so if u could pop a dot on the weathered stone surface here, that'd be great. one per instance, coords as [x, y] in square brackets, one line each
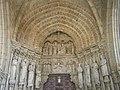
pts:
[42, 37]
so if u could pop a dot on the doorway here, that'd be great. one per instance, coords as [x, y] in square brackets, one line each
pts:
[59, 82]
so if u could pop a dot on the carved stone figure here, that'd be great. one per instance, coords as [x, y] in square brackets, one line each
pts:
[63, 49]
[59, 49]
[50, 49]
[44, 68]
[48, 67]
[69, 48]
[31, 73]
[14, 67]
[71, 66]
[80, 75]
[38, 79]
[87, 75]
[55, 48]
[23, 71]
[104, 67]
[95, 72]
[45, 49]
[72, 48]
[59, 68]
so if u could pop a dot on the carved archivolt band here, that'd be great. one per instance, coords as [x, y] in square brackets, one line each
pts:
[74, 20]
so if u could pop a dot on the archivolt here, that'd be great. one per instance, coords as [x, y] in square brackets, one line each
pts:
[44, 19]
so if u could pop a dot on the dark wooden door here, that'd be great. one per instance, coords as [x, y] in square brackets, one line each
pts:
[59, 82]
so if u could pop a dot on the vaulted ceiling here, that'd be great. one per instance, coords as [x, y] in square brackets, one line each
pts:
[37, 19]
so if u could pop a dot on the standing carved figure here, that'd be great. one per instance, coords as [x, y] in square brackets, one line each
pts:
[38, 79]
[80, 75]
[87, 75]
[69, 48]
[31, 73]
[50, 49]
[23, 71]
[14, 67]
[45, 49]
[63, 49]
[69, 66]
[72, 48]
[44, 68]
[55, 48]
[48, 67]
[59, 49]
[95, 73]
[104, 67]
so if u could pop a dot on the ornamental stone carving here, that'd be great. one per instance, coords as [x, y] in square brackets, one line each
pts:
[59, 67]
[54, 46]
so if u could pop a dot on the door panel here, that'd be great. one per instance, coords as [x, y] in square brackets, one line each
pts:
[59, 82]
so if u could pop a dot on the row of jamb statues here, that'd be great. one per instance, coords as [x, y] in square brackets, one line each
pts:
[91, 72]
[24, 74]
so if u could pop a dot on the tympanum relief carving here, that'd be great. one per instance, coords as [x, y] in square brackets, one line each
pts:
[58, 43]
[58, 54]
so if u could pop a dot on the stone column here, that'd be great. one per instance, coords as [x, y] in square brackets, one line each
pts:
[2, 24]
[4, 39]
[8, 77]
[116, 30]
